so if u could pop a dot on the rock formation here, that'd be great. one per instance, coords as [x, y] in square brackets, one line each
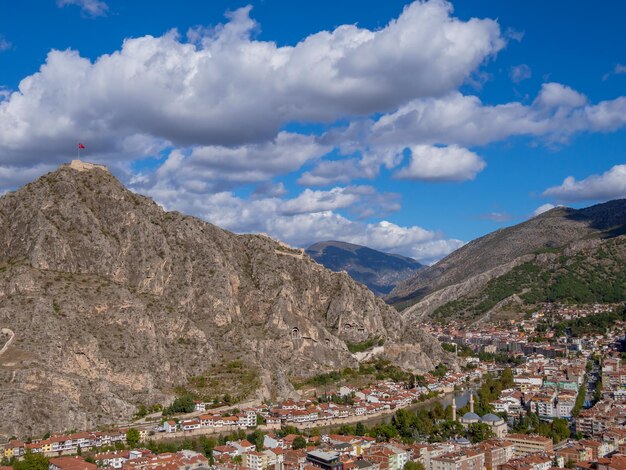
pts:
[114, 302]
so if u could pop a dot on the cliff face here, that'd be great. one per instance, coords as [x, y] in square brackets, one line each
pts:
[114, 301]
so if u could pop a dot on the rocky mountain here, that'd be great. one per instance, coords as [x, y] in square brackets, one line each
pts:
[582, 272]
[377, 270]
[468, 271]
[108, 302]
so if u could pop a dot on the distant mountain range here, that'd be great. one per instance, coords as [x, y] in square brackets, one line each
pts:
[379, 271]
[563, 254]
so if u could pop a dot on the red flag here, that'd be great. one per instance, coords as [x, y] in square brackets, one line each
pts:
[81, 146]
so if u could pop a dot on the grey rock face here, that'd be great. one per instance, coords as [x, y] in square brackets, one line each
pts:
[114, 301]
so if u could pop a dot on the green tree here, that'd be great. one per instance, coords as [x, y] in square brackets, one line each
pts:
[478, 432]
[597, 395]
[420, 381]
[384, 432]
[299, 443]
[31, 462]
[182, 404]
[448, 347]
[411, 465]
[507, 378]
[559, 430]
[440, 370]
[132, 437]
[360, 429]
[257, 438]
[142, 411]
[208, 444]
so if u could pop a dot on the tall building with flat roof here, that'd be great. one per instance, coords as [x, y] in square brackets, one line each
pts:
[530, 443]
[325, 460]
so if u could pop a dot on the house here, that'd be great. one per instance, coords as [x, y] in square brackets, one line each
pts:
[242, 446]
[228, 450]
[170, 426]
[112, 459]
[70, 463]
[191, 424]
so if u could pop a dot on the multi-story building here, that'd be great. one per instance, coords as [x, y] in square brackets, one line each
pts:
[564, 406]
[461, 460]
[575, 453]
[255, 460]
[530, 443]
[539, 461]
[324, 460]
[497, 452]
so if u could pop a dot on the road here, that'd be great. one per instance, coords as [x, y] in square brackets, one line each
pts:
[592, 379]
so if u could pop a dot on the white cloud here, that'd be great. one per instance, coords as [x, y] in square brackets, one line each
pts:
[543, 208]
[557, 113]
[619, 69]
[496, 216]
[519, 73]
[337, 171]
[12, 177]
[90, 8]
[269, 189]
[5, 44]
[215, 168]
[310, 201]
[557, 98]
[609, 185]
[514, 34]
[228, 89]
[453, 163]
[310, 217]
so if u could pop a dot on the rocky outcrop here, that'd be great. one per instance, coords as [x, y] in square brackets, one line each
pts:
[114, 302]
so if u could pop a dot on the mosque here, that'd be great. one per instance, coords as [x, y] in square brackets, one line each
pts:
[497, 424]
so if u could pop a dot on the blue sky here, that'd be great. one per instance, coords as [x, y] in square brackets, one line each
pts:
[409, 127]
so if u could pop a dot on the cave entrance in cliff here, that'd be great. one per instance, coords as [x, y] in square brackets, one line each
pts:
[295, 334]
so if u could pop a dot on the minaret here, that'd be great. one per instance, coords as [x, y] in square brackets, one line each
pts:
[471, 402]
[453, 408]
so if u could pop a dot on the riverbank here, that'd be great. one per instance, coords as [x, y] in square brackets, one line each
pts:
[462, 397]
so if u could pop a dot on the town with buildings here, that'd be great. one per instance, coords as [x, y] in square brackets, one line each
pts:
[535, 400]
